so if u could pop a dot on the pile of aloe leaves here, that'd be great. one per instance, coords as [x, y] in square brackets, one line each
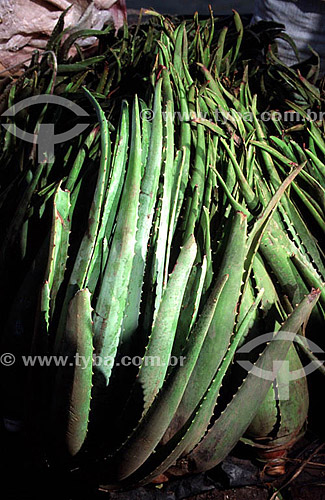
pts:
[185, 220]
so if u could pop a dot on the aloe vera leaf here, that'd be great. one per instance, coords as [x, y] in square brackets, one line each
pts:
[192, 214]
[178, 166]
[275, 250]
[301, 155]
[160, 263]
[163, 54]
[148, 310]
[151, 428]
[178, 51]
[190, 306]
[236, 206]
[20, 213]
[250, 165]
[248, 95]
[72, 389]
[299, 227]
[310, 275]
[248, 193]
[191, 433]
[242, 86]
[230, 178]
[56, 34]
[213, 85]
[240, 31]
[199, 47]
[210, 180]
[319, 164]
[163, 331]
[260, 234]
[111, 302]
[212, 27]
[220, 49]
[264, 218]
[103, 78]
[304, 346]
[198, 172]
[241, 125]
[54, 67]
[43, 321]
[267, 158]
[288, 414]
[205, 225]
[226, 431]
[282, 217]
[274, 152]
[64, 69]
[184, 144]
[216, 111]
[318, 200]
[218, 338]
[205, 414]
[59, 243]
[238, 111]
[262, 280]
[79, 161]
[75, 83]
[312, 129]
[80, 271]
[188, 80]
[300, 233]
[310, 205]
[111, 200]
[275, 247]
[145, 135]
[147, 199]
[314, 186]
[212, 126]
[81, 34]
[246, 301]
[24, 233]
[284, 147]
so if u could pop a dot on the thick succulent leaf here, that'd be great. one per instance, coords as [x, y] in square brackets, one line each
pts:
[160, 266]
[195, 427]
[222, 325]
[111, 201]
[111, 302]
[147, 435]
[80, 272]
[59, 242]
[72, 389]
[283, 413]
[162, 336]
[233, 422]
[147, 200]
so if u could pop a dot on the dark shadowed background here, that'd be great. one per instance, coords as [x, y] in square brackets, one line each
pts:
[190, 6]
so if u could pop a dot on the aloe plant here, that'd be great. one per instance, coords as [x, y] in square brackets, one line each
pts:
[179, 237]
